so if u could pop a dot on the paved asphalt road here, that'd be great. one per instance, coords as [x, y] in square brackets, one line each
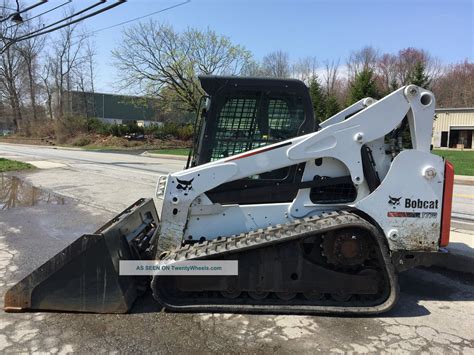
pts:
[463, 202]
[105, 180]
[435, 312]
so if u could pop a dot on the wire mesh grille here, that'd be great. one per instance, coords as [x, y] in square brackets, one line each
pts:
[235, 128]
[243, 125]
[337, 193]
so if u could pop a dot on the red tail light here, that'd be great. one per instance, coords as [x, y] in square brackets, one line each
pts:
[447, 204]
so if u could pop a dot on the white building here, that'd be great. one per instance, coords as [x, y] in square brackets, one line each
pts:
[453, 128]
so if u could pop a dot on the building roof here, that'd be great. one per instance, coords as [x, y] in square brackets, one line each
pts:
[454, 109]
[111, 106]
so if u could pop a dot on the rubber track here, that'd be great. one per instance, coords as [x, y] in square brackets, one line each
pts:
[280, 233]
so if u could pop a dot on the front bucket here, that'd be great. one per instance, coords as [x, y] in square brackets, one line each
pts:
[84, 277]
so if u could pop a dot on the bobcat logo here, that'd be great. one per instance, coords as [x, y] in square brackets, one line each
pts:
[394, 201]
[184, 185]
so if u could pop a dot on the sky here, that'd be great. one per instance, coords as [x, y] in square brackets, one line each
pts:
[328, 30]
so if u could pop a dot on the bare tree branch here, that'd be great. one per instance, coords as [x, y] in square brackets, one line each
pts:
[157, 60]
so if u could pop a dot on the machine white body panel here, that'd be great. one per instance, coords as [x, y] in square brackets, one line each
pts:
[188, 214]
[407, 205]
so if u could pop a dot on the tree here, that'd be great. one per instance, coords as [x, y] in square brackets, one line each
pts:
[276, 64]
[66, 57]
[333, 89]
[30, 50]
[408, 66]
[11, 73]
[305, 69]
[331, 76]
[362, 86]
[85, 74]
[9, 80]
[456, 87]
[332, 106]
[318, 98]
[252, 68]
[418, 77]
[411, 58]
[47, 85]
[154, 56]
[387, 72]
[363, 59]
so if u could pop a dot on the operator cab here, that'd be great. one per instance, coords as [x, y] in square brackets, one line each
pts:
[247, 113]
[242, 114]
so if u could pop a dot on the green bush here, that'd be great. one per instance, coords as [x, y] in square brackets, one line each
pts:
[171, 130]
[119, 130]
[95, 125]
[134, 128]
[81, 141]
[69, 126]
[185, 132]
[116, 130]
[73, 126]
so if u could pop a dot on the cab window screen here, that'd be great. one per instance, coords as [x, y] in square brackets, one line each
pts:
[285, 116]
[255, 120]
[236, 127]
[278, 114]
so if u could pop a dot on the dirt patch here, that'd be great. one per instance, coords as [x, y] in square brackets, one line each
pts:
[96, 141]
[27, 140]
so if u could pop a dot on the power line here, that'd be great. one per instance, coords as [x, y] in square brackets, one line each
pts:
[42, 32]
[139, 18]
[28, 36]
[18, 11]
[43, 13]
[128, 21]
[100, 2]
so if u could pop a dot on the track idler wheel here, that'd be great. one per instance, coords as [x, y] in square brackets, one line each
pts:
[286, 296]
[231, 293]
[313, 295]
[258, 295]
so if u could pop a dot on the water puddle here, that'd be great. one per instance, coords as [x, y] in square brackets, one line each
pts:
[14, 193]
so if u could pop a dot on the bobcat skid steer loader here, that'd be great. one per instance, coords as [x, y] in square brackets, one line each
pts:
[320, 219]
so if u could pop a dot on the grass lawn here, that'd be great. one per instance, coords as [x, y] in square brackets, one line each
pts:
[11, 165]
[178, 151]
[463, 161]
